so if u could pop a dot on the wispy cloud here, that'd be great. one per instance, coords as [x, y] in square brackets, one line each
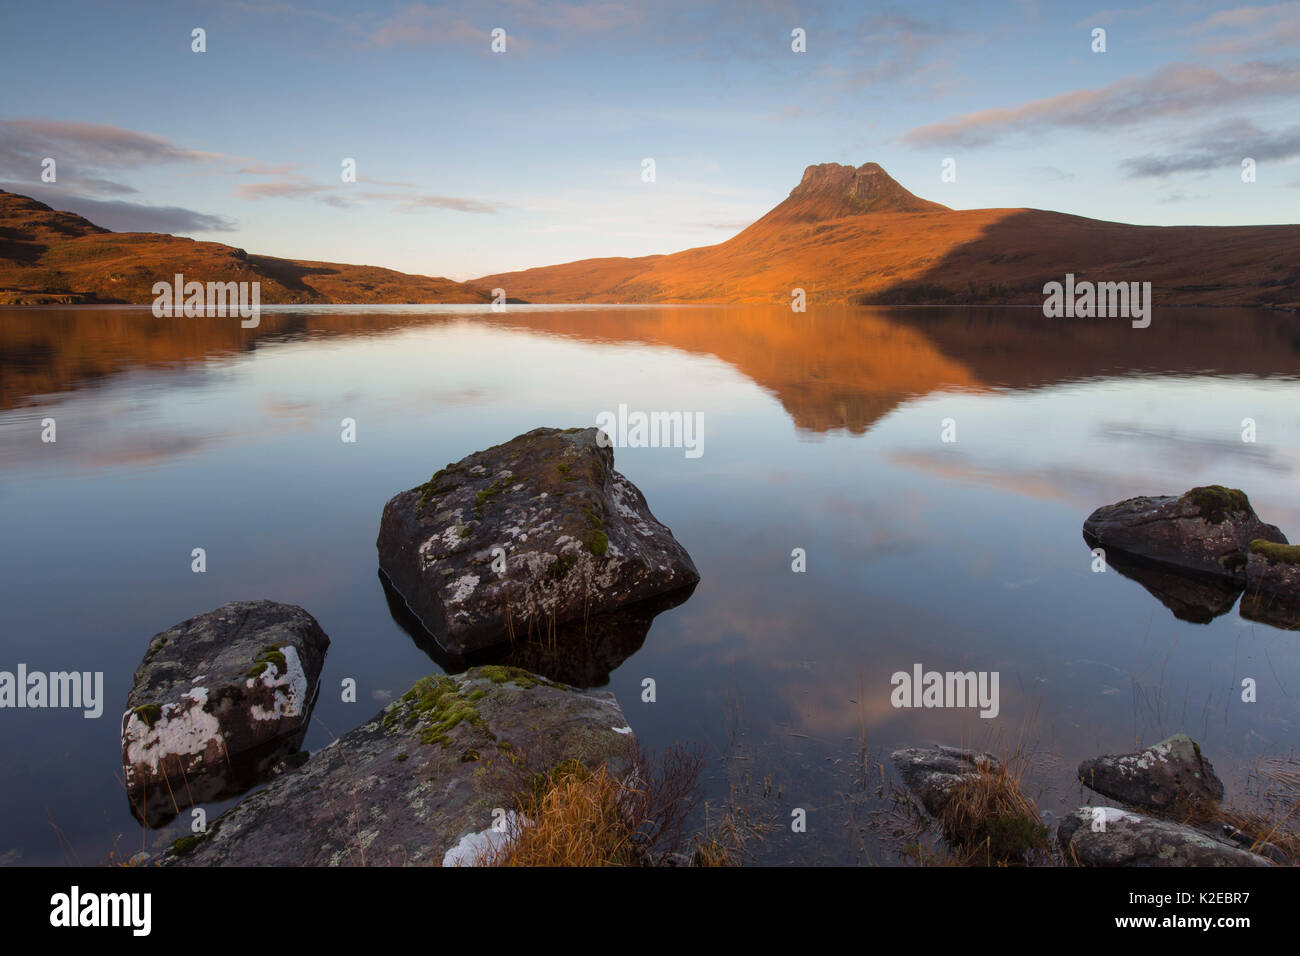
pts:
[1175, 90]
[1225, 144]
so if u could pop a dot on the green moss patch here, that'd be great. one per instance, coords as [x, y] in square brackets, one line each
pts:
[1215, 502]
[1277, 553]
[443, 480]
[436, 704]
[149, 713]
[597, 542]
[500, 674]
[485, 497]
[271, 655]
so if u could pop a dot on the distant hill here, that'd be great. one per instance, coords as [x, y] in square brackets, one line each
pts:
[856, 235]
[50, 256]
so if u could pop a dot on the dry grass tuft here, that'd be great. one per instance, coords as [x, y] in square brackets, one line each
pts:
[578, 816]
[988, 819]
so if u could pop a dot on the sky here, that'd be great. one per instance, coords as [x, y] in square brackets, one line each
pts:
[470, 162]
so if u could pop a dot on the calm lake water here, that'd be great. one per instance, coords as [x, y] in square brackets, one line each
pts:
[822, 431]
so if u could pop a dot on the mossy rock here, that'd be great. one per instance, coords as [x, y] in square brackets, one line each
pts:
[1276, 553]
[1215, 502]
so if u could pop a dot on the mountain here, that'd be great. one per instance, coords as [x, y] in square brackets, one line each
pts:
[856, 235]
[50, 256]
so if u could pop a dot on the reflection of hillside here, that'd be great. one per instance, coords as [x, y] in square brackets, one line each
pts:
[841, 369]
[831, 368]
[1019, 348]
[54, 350]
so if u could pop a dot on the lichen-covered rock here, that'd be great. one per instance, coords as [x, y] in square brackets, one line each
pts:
[422, 783]
[1106, 836]
[511, 541]
[1273, 585]
[1208, 529]
[1158, 777]
[217, 702]
[932, 773]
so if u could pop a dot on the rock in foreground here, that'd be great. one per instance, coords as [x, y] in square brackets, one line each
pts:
[424, 781]
[1106, 836]
[932, 773]
[521, 537]
[1158, 777]
[1207, 529]
[218, 700]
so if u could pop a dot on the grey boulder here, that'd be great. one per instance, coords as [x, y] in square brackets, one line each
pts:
[1159, 777]
[932, 773]
[1207, 530]
[218, 701]
[511, 541]
[1107, 836]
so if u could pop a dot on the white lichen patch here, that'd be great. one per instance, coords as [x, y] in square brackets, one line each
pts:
[289, 690]
[182, 728]
[462, 588]
[621, 730]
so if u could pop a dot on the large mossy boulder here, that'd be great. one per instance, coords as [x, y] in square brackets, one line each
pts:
[510, 542]
[423, 782]
[1207, 530]
[217, 702]
[1164, 775]
[1106, 836]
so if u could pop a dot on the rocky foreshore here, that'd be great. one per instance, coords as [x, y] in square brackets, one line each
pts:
[425, 781]
[1169, 791]
[539, 534]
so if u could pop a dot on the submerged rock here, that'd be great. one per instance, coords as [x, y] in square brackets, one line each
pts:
[579, 653]
[1158, 777]
[1208, 529]
[1106, 836]
[218, 701]
[512, 541]
[424, 781]
[1273, 585]
[1192, 596]
[932, 773]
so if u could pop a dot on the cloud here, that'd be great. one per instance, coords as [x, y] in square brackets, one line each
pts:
[277, 190]
[462, 24]
[266, 169]
[1177, 89]
[80, 148]
[422, 25]
[1216, 147]
[344, 197]
[417, 203]
[1274, 26]
[121, 216]
[1048, 174]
